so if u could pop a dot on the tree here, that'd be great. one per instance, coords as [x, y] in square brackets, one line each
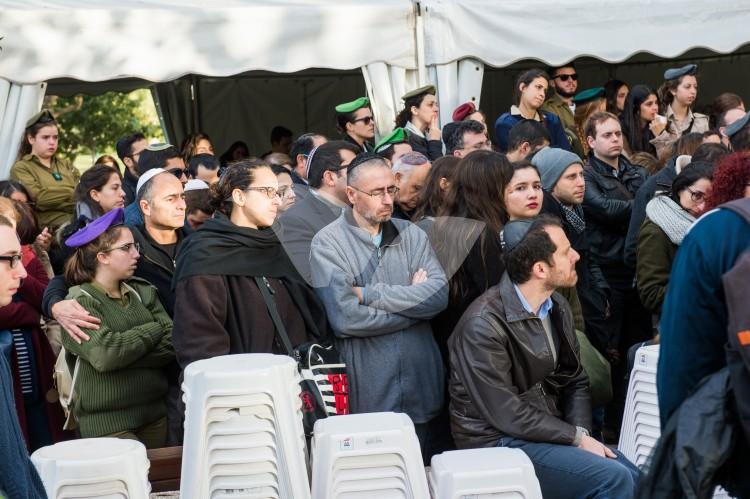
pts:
[90, 125]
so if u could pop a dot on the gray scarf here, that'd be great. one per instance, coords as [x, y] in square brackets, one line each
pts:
[670, 217]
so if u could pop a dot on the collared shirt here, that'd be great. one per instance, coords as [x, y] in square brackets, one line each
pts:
[124, 298]
[413, 129]
[326, 200]
[515, 110]
[543, 315]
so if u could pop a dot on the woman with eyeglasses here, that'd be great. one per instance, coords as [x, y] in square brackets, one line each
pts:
[119, 384]
[32, 359]
[49, 178]
[677, 96]
[355, 123]
[220, 307]
[668, 218]
[529, 95]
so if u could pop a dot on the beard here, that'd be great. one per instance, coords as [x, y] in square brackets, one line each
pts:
[564, 93]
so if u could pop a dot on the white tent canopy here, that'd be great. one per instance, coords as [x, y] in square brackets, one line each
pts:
[160, 40]
[557, 32]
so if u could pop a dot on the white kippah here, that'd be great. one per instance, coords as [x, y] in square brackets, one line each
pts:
[195, 185]
[148, 175]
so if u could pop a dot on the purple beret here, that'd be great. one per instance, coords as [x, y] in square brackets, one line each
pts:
[464, 110]
[94, 229]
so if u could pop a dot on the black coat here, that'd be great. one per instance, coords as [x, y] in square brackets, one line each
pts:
[433, 149]
[608, 204]
[592, 287]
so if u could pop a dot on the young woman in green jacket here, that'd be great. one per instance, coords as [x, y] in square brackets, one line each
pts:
[120, 388]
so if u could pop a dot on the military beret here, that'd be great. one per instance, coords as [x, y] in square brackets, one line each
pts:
[94, 229]
[463, 111]
[674, 73]
[588, 95]
[514, 232]
[350, 107]
[737, 125]
[397, 136]
[43, 115]
[427, 89]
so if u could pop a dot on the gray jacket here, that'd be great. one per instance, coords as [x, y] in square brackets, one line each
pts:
[392, 359]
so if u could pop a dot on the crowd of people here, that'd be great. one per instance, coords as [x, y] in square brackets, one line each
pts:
[491, 283]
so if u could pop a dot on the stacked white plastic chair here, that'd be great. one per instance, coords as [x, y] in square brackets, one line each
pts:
[243, 429]
[496, 473]
[105, 468]
[640, 424]
[367, 456]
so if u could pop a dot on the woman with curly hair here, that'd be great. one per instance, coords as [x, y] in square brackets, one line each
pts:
[731, 180]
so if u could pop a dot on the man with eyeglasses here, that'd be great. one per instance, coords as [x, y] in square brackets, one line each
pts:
[164, 156]
[355, 122]
[324, 203]
[381, 283]
[465, 137]
[18, 477]
[565, 83]
[129, 150]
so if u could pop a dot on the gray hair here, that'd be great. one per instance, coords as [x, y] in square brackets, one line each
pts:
[406, 163]
[146, 191]
[355, 168]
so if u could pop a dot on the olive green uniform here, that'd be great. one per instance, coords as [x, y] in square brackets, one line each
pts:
[52, 188]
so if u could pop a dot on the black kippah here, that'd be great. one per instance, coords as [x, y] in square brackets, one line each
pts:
[361, 158]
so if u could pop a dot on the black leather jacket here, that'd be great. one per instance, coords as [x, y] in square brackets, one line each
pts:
[607, 204]
[503, 379]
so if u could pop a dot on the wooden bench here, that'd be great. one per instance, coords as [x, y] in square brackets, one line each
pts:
[164, 473]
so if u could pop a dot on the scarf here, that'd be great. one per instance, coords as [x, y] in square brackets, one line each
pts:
[670, 217]
[574, 217]
[223, 248]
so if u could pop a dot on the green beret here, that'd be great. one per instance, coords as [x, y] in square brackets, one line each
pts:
[397, 136]
[427, 89]
[588, 95]
[43, 115]
[350, 107]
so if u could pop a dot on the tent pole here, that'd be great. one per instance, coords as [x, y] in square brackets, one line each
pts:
[419, 34]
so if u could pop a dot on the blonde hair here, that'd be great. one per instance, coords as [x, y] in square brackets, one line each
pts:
[9, 211]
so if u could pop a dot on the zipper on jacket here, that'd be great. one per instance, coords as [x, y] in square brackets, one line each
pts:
[268, 285]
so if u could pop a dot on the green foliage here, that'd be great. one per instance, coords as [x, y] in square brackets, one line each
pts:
[91, 125]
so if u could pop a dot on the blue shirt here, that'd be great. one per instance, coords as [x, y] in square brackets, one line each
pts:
[544, 308]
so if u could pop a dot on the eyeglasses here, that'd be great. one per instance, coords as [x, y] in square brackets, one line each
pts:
[366, 120]
[574, 77]
[696, 196]
[270, 192]
[177, 172]
[13, 260]
[379, 193]
[126, 248]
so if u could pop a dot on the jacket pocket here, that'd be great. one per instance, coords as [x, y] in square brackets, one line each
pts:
[538, 398]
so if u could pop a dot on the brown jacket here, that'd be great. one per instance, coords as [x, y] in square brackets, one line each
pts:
[503, 379]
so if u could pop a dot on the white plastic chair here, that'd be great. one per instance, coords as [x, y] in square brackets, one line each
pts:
[363, 456]
[94, 467]
[483, 473]
[243, 429]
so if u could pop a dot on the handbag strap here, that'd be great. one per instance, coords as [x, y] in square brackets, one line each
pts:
[267, 292]
[73, 381]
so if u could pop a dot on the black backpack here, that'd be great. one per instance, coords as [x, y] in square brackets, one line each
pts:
[737, 292]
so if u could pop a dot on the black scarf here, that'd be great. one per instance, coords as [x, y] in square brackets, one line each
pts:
[223, 248]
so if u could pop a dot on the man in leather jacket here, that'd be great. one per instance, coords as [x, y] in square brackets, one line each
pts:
[611, 185]
[516, 378]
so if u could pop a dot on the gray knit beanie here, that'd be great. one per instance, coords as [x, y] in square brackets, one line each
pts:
[552, 163]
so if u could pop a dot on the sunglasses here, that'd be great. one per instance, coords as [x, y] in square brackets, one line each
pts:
[574, 77]
[366, 120]
[177, 172]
